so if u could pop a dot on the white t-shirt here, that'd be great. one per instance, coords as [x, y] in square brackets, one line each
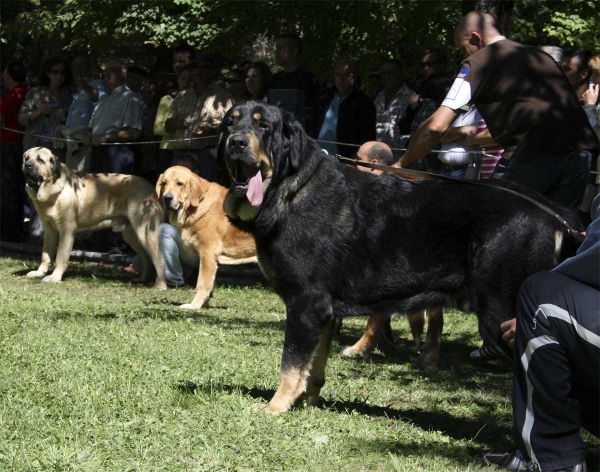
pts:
[458, 154]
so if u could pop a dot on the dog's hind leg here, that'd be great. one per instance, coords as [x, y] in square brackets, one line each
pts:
[48, 252]
[305, 343]
[148, 239]
[430, 351]
[368, 341]
[316, 379]
[416, 322]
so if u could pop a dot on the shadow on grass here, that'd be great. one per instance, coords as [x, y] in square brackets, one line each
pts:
[457, 427]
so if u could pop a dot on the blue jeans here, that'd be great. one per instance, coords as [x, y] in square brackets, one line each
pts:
[457, 174]
[113, 159]
[179, 263]
[561, 176]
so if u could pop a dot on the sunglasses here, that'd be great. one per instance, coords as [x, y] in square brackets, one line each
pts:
[58, 71]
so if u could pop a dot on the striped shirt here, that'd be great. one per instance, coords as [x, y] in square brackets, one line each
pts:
[490, 155]
[207, 110]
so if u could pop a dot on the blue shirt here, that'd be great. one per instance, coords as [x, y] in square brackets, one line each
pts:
[82, 106]
[329, 129]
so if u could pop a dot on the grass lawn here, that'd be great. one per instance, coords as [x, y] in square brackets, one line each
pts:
[100, 375]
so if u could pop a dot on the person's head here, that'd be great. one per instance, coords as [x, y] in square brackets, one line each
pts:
[183, 54]
[256, 76]
[115, 73]
[375, 153]
[392, 75]
[433, 62]
[594, 63]
[185, 77]
[288, 48]
[474, 31]
[345, 74]
[189, 161]
[55, 72]
[80, 68]
[15, 73]
[554, 52]
[204, 71]
[136, 78]
[436, 87]
[576, 68]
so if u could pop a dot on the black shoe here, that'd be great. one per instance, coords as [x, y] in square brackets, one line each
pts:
[486, 352]
[508, 461]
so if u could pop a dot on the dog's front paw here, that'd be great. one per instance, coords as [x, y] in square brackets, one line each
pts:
[52, 278]
[350, 351]
[35, 273]
[189, 306]
[269, 409]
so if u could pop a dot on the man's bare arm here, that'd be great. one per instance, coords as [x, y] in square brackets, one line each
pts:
[428, 135]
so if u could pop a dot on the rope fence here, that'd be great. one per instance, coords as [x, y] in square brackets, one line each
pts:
[200, 138]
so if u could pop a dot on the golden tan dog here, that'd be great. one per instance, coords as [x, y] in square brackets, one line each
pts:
[195, 206]
[68, 202]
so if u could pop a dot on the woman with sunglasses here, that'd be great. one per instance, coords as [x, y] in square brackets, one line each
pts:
[45, 106]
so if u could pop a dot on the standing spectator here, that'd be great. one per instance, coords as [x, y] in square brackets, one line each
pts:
[183, 55]
[117, 119]
[232, 82]
[295, 89]
[45, 106]
[590, 96]
[575, 65]
[256, 78]
[433, 63]
[165, 153]
[89, 92]
[197, 113]
[391, 104]
[540, 151]
[12, 184]
[344, 114]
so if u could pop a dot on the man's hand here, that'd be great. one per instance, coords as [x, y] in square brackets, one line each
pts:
[44, 109]
[590, 96]
[413, 100]
[509, 329]
[98, 140]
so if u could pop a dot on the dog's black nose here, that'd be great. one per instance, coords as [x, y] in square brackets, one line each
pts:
[238, 142]
[28, 166]
[167, 198]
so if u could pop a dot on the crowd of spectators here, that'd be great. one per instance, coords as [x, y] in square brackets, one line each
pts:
[76, 108]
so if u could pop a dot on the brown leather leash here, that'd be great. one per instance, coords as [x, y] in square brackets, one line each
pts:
[417, 174]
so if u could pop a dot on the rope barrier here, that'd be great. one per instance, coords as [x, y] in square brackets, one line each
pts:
[433, 151]
[110, 144]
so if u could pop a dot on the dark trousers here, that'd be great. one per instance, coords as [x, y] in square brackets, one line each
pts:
[12, 192]
[557, 363]
[562, 177]
[113, 159]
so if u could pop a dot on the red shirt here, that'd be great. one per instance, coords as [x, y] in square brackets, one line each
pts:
[10, 104]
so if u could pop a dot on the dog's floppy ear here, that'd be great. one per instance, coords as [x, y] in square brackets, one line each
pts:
[159, 185]
[296, 138]
[223, 177]
[56, 167]
[198, 187]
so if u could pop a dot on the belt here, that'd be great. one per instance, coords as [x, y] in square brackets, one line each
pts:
[450, 167]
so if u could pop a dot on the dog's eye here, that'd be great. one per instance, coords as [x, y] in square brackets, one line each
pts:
[180, 184]
[263, 126]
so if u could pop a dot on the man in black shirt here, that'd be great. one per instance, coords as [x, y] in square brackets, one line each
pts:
[295, 89]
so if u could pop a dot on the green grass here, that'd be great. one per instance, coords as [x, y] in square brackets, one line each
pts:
[100, 375]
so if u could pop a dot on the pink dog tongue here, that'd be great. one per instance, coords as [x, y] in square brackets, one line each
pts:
[254, 192]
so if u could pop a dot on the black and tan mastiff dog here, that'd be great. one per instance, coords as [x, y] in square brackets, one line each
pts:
[68, 202]
[335, 241]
